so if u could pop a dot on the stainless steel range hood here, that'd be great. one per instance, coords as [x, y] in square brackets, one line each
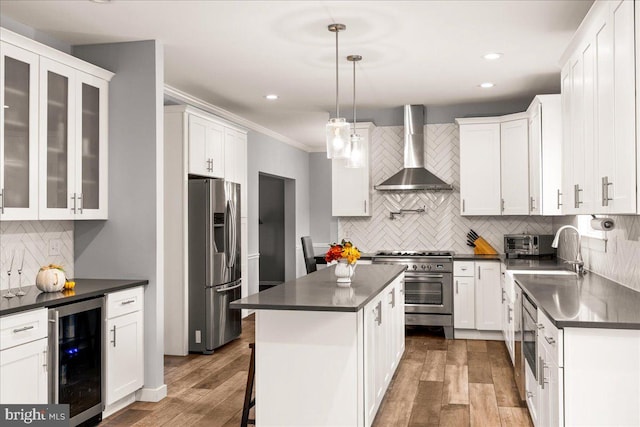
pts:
[414, 176]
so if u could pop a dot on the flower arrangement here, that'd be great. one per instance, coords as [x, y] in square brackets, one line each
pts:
[343, 250]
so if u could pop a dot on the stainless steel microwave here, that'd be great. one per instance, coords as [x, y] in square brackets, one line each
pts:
[528, 245]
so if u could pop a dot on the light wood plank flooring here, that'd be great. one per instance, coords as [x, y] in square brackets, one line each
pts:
[438, 383]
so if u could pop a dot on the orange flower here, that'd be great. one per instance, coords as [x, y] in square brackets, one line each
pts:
[344, 250]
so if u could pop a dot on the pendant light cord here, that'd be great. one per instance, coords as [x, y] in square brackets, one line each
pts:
[354, 97]
[337, 81]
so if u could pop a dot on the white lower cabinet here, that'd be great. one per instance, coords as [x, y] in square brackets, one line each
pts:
[464, 303]
[383, 344]
[124, 344]
[24, 358]
[23, 370]
[532, 395]
[488, 301]
[477, 299]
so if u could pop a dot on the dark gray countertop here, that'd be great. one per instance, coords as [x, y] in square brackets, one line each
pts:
[85, 288]
[475, 257]
[591, 301]
[318, 291]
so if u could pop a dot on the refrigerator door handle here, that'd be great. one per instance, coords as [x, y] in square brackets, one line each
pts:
[234, 234]
[221, 290]
[54, 354]
[228, 230]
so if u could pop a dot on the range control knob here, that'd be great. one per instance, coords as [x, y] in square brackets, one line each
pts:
[429, 266]
[424, 267]
[415, 267]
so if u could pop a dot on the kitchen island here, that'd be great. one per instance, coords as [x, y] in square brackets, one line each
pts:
[324, 355]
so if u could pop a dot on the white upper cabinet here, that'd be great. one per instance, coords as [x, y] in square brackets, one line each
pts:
[18, 133]
[350, 188]
[615, 108]
[206, 148]
[235, 163]
[73, 143]
[54, 141]
[514, 165]
[599, 113]
[545, 155]
[479, 168]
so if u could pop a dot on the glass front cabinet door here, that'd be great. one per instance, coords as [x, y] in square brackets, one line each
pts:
[18, 133]
[73, 143]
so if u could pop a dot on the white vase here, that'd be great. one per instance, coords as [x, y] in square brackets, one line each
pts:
[344, 271]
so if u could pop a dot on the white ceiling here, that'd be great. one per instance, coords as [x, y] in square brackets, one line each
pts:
[232, 53]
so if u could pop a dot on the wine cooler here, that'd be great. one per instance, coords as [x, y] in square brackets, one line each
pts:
[77, 359]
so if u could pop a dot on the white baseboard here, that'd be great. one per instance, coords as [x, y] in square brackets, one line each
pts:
[473, 334]
[152, 394]
[118, 404]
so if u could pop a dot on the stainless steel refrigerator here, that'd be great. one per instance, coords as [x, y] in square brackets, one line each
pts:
[214, 263]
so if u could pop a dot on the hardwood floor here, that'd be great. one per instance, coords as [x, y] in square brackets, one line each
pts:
[439, 382]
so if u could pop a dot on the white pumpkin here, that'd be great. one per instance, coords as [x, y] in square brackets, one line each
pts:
[50, 280]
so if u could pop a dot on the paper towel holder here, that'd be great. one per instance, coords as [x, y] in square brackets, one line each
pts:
[602, 224]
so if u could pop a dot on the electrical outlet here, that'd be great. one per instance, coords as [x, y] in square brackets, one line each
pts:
[198, 337]
[55, 247]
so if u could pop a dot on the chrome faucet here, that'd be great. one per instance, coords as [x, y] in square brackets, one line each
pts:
[578, 264]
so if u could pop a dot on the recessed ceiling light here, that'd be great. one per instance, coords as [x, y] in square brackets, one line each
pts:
[271, 97]
[492, 55]
[486, 85]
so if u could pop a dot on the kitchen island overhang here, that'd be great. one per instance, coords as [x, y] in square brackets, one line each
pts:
[325, 355]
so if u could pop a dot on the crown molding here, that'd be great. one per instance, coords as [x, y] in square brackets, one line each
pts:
[181, 96]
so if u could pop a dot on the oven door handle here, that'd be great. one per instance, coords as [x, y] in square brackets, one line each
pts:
[414, 279]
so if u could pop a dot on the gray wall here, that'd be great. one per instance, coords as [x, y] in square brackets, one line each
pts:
[129, 244]
[269, 156]
[322, 226]
[271, 226]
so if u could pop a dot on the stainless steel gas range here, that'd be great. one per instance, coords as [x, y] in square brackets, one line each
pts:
[428, 286]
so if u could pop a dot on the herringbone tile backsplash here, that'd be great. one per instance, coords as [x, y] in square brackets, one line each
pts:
[32, 239]
[620, 261]
[441, 227]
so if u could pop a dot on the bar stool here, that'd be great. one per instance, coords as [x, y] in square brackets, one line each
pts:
[249, 401]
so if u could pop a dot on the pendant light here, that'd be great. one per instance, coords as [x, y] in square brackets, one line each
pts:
[338, 145]
[356, 159]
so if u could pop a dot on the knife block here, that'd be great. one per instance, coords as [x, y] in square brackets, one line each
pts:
[483, 247]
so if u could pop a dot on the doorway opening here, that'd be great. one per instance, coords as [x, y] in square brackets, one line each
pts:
[276, 238]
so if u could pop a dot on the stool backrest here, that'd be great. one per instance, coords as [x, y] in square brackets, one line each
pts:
[307, 250]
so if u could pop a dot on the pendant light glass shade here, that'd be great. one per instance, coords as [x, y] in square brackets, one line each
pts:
[356, 159]
[338, 144]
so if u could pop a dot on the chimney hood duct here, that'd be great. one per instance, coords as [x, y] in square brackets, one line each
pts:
[414, 176]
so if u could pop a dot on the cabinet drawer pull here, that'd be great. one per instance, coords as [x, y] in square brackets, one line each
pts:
[533, 204]
[129, 301]
[503, 293]
[457, 290]
[540, 326]
[81, 199]
[501, 205]
[1, 200]
[26, 328]
[479, 277]
[114, 336]
[550, 340]
[509, 312]
[463, 207]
